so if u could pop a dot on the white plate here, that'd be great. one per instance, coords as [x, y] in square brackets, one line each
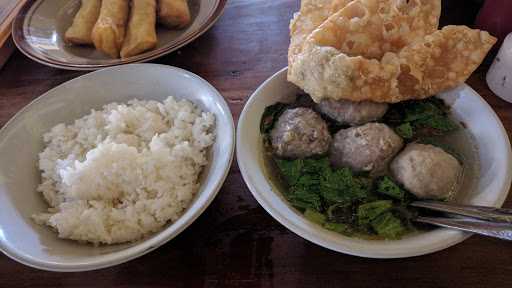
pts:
[21, 141]
[491, 189]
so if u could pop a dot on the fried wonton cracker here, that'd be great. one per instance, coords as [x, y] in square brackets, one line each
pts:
[337, 5]
[444, 60]
[439, 62]
[370, 28]
[312, 13]
[382, 51]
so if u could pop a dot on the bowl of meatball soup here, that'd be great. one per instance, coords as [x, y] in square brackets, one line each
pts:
[341, 174]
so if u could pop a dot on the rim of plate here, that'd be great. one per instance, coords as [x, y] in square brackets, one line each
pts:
[146, 245]
[19, 37]
[330, 240]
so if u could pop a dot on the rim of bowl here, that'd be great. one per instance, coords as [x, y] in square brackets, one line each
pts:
[445, 237]
[159, 238]
[19, 37]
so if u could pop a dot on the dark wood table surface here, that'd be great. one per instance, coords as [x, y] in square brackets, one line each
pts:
[235, 243]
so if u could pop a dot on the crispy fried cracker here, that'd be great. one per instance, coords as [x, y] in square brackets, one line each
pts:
[439, 62]
[383, 51]
[312, 13]
[370, 28]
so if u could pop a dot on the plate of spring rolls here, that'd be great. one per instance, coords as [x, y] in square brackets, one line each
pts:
[94, 34]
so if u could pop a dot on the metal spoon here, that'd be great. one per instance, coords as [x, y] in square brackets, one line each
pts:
[478, 212]
[488, 221]
[492, 229]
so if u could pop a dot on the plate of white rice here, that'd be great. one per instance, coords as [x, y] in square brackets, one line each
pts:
[111, 165]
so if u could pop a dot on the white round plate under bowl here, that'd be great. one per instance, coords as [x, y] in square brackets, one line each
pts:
[490, 189]
[39, 29]
[21, 141]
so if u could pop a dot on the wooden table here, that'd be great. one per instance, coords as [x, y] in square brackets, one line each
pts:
[235, 243]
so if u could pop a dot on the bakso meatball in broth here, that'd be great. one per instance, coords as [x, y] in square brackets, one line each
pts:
[352, 113]
[365, 148]
[300, 133]
[426, 171]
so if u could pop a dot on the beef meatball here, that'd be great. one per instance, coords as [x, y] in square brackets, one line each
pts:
[352, 113]
[365, 148]
[426, 171]
[300, 133]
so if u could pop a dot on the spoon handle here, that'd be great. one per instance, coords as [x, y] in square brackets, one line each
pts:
[492, 229]
[478, 212]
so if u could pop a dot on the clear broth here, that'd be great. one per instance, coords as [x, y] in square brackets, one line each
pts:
[461, 142]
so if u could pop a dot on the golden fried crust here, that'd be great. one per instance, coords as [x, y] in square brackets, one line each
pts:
[370, 28]
[384, 51]
[174, 13]
[439, 62]
[80, 31]
[141, 34]
[337, 5]
[312, 13]
[442, 60]
[109, 31]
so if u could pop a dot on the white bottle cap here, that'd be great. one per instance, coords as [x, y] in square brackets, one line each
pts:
[499, 77]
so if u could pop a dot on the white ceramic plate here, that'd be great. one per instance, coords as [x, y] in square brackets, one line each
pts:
[21, 141]
[39, 29]
[490, 189]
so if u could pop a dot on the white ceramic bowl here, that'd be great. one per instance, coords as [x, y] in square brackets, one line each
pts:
[21, 141]
[491, 189]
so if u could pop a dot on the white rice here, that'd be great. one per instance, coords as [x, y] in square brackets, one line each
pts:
[122, 173]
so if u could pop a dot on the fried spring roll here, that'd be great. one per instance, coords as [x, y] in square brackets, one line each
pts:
[141, 33]
[173, 13]
[109, 31]
[80, 31]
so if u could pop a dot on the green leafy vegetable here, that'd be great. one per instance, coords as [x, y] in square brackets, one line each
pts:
[388, 226]
[291, 170]
[405, 131]
[418, 110]
[413, 119]
[337, 227]
[311, 180]
[437, 122]
[305, 199]
[368, 212]
[341, 212]
[316, 166]
[387, 187]
[270, 116]
[314, 216]
[303, 180]
[340, 186]
[330, 196]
